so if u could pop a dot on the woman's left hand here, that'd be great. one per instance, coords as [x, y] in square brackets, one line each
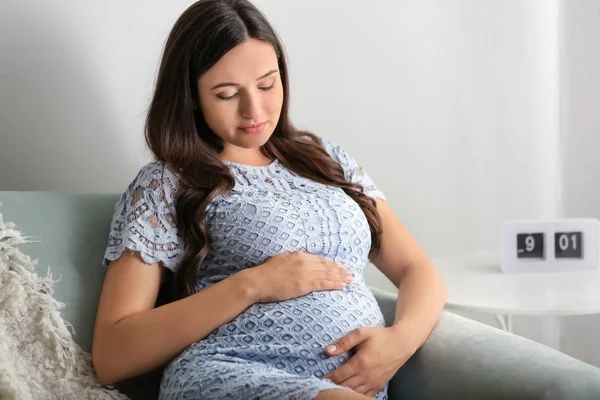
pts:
[380, 352]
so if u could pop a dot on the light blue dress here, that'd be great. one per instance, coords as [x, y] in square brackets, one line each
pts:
[271, 351]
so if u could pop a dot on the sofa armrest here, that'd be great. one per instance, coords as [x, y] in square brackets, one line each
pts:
[465, 359]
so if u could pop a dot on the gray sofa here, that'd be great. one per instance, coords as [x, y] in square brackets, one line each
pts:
[461, 360]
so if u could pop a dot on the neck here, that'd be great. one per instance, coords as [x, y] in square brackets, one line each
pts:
[252, 157]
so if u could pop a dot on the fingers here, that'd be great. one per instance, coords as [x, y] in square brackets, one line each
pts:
[354, 382]
[339, 275]
[337, 270]
[327, 265]
[343, 373]
[346, 343]
[324, 274]
[330, 285]
[331, 272]
[363, 389]
[349, 376]
[324, 262]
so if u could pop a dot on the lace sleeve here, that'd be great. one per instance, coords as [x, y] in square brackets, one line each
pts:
[144, 219]
[353, 171]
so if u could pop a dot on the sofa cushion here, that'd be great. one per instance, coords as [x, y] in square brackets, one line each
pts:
[72, 230]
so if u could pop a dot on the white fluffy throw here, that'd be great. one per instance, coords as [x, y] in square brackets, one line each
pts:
[39, 360]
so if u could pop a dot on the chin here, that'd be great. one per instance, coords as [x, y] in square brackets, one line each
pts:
[251, 141]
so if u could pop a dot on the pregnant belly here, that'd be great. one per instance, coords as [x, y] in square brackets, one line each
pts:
[292, 335]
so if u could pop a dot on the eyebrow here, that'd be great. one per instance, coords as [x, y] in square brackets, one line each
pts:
[223, 84]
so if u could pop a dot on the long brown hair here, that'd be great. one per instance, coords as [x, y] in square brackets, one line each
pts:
[177, 134]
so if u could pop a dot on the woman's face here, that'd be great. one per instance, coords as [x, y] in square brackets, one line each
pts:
[241, 97]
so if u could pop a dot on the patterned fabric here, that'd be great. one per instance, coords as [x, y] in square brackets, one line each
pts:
[271, 350]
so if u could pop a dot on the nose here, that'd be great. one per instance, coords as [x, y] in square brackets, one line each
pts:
[250, 106]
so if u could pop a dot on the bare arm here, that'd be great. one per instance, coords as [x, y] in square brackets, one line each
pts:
[422, 293]
[131, 337]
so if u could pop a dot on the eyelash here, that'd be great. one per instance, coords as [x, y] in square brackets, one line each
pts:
[235, 95]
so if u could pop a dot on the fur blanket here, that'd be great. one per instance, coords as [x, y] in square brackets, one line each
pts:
[39, 360]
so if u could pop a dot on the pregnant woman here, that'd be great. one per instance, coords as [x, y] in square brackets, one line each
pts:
[261, 231]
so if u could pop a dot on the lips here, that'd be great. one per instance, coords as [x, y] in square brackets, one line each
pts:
[254, 128]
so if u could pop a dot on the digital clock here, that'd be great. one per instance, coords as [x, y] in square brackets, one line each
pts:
[550, 245]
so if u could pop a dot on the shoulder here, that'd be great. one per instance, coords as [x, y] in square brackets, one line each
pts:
[155, 171]
[333, 149]
[338, 153]
[353, 170]
[144, 218]
[154, 181]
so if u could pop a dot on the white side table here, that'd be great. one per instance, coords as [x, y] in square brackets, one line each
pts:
[476, 283]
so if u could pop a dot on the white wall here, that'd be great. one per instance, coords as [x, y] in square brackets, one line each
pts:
[453, 107]
[580, 136]
[432, 97]
[75, 80]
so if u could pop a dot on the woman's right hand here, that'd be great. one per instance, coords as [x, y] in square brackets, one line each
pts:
[291, 275]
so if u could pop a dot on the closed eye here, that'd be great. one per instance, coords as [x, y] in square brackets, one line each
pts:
[268, 87]
[263, 88]
[227, 97]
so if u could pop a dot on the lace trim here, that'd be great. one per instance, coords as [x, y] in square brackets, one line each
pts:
[144, 220]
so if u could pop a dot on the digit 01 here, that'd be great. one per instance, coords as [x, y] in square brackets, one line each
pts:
[568, 245]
